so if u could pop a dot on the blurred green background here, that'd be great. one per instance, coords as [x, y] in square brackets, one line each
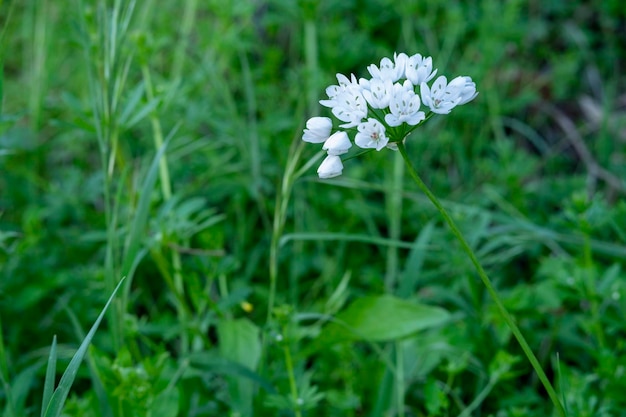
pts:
[533, 170]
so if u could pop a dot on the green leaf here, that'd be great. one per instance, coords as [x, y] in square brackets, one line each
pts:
[209, 361]
[411, 274]
[1, 83]
[48, 386]
[382, 318]
[55, 405]
[132, 253]
[239, 341]
[166, 403]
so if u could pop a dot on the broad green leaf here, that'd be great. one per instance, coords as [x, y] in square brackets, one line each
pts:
[239, 341]
[166, 403]
[382, 318]
[55, 405]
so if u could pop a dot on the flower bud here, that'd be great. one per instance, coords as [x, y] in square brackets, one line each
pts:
[330, 167]
[337, 144]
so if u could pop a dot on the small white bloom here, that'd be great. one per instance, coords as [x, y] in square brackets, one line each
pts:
[335, 91]
[378, 93]
[467, 89]
[330, 167]
[419, 69]
[350, 107]
[389, 70]
[438, 98]
[337, 144]
[443, 97]
[371, 134]
[404, 106]
[317, 129]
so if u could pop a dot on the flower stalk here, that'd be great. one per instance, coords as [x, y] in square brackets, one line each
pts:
[486, 281]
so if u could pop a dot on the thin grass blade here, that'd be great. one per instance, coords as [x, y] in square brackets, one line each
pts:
[55, 405]
[48, 386]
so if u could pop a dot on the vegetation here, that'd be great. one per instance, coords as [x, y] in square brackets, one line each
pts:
[160, 141]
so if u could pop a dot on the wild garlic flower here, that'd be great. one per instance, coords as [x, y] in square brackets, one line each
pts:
[337, 144]
[371, 135]
[443, 97]
[385, 109]
[404, 106]
[317, 129]
[330, 167]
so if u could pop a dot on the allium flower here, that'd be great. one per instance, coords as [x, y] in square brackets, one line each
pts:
[334, 91]
[378, 93]
[389, 70]
[350, 107]
[337, 144]
[443, 97]
[371, 134]
[404, 106]
[468, 90]
[330, 167]
[318, 129]
[385, 108]
[419, 69]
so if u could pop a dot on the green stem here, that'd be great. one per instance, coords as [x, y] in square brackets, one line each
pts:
[486, 281]
[166, 190]
[400, 378]
[393, 201]
[589, 291]
[292, 379]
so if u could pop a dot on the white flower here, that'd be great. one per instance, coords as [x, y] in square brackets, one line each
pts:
[350, 107]
[443, 97]
[334, 91]
[440, 99]
[371, 135]
[378, 93]
[330, 167]
[468, 88]
[318, 129]
[337, 144]
[389, 70]
[404, 106]
[419, 69]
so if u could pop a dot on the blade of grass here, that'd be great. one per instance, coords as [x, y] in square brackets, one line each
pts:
[48, 386]
[56, 402]
[96, 378]
[138, 225]
[1, 82]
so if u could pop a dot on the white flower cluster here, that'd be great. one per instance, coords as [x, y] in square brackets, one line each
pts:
[385, 108]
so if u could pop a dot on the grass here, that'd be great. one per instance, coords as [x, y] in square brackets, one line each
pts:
[160, 141]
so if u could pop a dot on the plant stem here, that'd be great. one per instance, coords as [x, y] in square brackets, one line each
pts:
[292, 379]
[393, 202]
[166, 190]
[399, 378]
[486, 281]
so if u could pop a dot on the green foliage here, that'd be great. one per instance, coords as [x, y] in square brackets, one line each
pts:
[380, 312]
[382, 318]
